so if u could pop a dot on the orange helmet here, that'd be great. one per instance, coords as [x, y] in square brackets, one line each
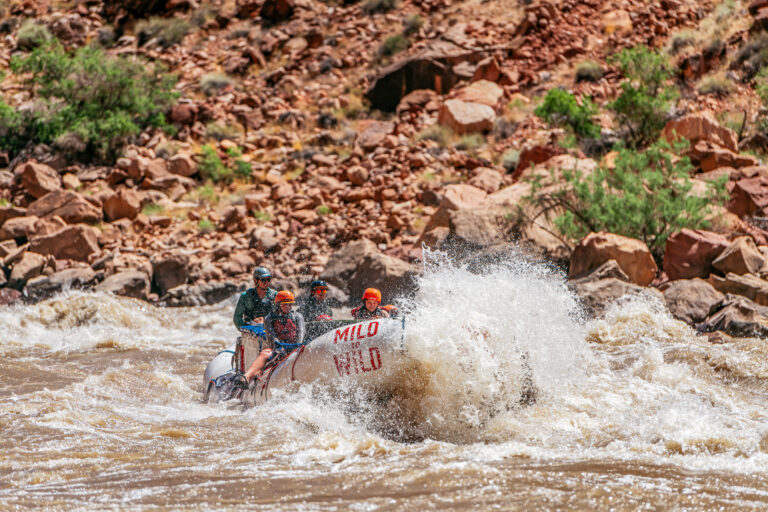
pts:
[372, 293]
[284, 297]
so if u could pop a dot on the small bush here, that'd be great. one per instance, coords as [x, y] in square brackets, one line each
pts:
[374, 6]
[214, 83]
[646, 196]
[412, 24]
[682, 39]
[151, 209]
[560, 108]
[470, 142]
[241, 168]
[509, 159]
[166, 31]
[211, 167]
[752, 57]
[206, 226]
[207, 193]
[323, 210]
[32, 34]
[88, 98]
[645, 98]
[436, 132]
[718, 85]
[393, 45]
[221, 131]
[589, 71]
[261, 216]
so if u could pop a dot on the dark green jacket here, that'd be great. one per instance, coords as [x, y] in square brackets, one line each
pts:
[250, 306]
[312, 308]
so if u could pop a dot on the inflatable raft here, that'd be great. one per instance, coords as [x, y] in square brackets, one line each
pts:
[365, 356]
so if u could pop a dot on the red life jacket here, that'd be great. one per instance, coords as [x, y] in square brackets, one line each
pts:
[286, 330]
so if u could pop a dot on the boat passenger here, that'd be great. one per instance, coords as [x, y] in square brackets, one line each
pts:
[370, 310]
[392, 310]
[285, 332]
[255, 303]
[315, 308]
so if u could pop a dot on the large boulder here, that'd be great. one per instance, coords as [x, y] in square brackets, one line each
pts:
[38, 179]
[690, 253]
[455, 197]
[30, 227]
[737, 316]
[632, 255]
[200, 294]
[69, 205]
[360, 264]
[746, 285]
[741, 257]
[483, 92]
[125, 204]
[749, 196]
[691, 300]
[598, 295]
[169, 271]
[697, 127]
[128, 283]
[466, 117]
[30, 265]
[474, 228]
[73, 242]
[11, 212]
[374, 134]
[43, 287]
[432, 68]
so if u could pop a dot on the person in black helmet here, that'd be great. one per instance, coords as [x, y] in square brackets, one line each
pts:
[315, 307]
[257, 302]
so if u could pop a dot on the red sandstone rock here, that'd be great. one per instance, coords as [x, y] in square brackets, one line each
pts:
[373, 136]
[696, 128]
[30, 265]
[465, 117]
[690, 253]
[486, 179]
[482, 92]
[169, 271]
[182, 165]
[741, 257]
[74, 242]
[69, 205]
[38, 179]
[632, 255]
[749, 196]
[126, 204]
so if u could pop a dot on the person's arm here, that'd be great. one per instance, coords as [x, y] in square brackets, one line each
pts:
[240, 311]
[383, 313]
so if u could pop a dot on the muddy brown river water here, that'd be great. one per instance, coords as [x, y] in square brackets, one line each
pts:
[101, 409]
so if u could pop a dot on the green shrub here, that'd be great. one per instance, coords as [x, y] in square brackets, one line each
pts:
[509, 159]
[436, 132]
[241, 168]
[645, 98]
[374, 6]
[589, 71]
[166, 31]
[560, 108]
[151, 209]
[261, 216]
[647, 196]
[323, 210]
[470, 142]
[206, 226]
[213, 83]
[393, 45]
[412, 24]
[221, 131]
[211, 167]
[718, 85]
[32, 35]
[89, 99]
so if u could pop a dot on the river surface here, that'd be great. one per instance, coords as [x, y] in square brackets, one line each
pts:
[101, 408]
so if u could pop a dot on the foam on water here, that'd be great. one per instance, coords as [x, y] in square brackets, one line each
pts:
[635, 386]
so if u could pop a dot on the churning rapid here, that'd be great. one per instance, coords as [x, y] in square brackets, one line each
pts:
[516, 400]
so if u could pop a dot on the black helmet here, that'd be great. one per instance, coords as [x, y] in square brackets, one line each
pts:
[262, 273]
[316, 284]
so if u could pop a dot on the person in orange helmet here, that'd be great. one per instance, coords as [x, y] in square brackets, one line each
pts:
[370, 309]
[285, 332]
